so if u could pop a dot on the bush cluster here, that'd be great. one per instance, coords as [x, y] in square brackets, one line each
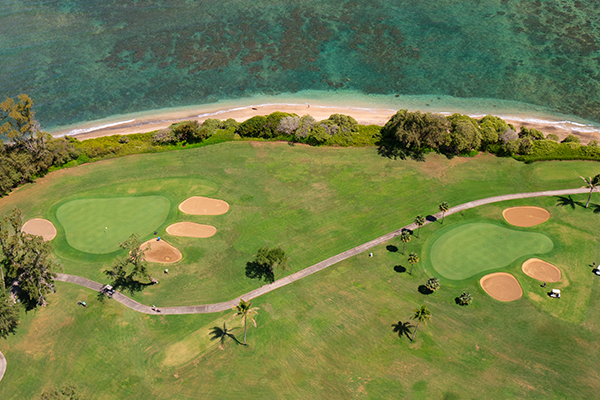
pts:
[413, 134]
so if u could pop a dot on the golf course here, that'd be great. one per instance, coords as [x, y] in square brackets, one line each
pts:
[341, 332]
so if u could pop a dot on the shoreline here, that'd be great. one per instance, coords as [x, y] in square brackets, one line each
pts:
[159, 119]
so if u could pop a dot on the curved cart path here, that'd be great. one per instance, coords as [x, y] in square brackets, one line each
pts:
[2, 365]
[217, 307]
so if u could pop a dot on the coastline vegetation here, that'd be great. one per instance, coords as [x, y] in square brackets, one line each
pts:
[29, 153]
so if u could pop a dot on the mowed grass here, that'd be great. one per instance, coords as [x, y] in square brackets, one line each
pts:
[98, 225]
[467, 250]
[329, 335]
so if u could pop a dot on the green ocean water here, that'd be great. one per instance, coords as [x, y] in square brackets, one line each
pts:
[87, 60]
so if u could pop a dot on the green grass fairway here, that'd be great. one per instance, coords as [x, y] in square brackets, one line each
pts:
[473, 248]
[85, 221]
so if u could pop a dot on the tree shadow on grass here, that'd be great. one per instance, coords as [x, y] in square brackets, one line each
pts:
[399, 269]
[431, 218]
[218, 333]
[391, 248]
[128, 284]
[425, 290]
[402, 329]
[567, 201]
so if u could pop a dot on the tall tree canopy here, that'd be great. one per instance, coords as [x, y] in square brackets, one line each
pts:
[125, 269]
[26, 258]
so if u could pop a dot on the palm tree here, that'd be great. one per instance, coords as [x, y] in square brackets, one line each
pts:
[433, 284]
[591, 184]
[465, 299]
[402, 328]
[420, 221]
[413, 258]
[421, 315]
[444, 206]
[222, 334]
[244, 311]
[405, 237]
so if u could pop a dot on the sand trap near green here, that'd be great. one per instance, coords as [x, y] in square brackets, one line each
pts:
[98, 225]
[470, 249]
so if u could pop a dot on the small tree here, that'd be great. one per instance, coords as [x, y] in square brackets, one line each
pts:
[433, 284]
[265, 262]
[244, 311]
[419, 221]
[420, 315]
[444, 207]
[591, 184]
[413, 258]
[465, 299]
[405, 237]
[134, 259]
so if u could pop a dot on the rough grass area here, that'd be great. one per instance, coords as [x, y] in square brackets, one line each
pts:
[98, 225]
[466, 250]
[330, 335]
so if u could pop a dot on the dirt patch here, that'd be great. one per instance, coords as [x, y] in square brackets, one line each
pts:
[40, 227]
[198, 205]
[191, 229]
[541, 270]
[525, 216]
[161, 252]
[501, 286]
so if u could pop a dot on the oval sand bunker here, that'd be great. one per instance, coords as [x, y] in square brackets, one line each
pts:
[525, 216]
[501, 286]
[191, 229]
[541, 270]
[161, 252]
[198, 205]
[40, 227]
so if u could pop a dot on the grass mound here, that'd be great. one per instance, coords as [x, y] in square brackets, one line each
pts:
[472, 248]
[98, 225]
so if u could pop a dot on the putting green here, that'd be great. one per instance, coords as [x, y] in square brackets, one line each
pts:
[99, 225]
[473, 248]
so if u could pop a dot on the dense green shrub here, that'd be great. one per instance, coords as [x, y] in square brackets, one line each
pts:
[571, 139]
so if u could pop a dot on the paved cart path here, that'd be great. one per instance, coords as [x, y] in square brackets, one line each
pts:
[216, 307]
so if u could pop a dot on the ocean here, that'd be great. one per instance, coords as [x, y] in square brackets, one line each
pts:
[83, 60]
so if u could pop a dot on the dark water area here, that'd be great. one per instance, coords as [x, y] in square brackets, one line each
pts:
[86, 60]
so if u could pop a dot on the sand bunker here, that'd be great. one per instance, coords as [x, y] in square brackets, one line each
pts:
[197, 205]
[161, 252]
[501, 286]
[40, 227]
[191, 229]
[541, 270]
[525, 216]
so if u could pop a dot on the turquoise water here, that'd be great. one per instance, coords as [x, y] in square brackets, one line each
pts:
[88, 60]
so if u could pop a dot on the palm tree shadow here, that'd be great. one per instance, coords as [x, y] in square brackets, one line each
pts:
[402, 329]
[424, 290]
[567, 201]
[391, 248]
[399, 269]
[595, 208]
[218, 333]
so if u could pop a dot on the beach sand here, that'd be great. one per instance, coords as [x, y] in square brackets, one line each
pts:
[366, 116]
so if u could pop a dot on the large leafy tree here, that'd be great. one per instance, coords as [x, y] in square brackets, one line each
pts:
[591, 183]
[419, 221]
[444, 207]
[420, 315]
[264, 264]
[19, 124]
[9, 314]
[405, 237]
[125, 269]
[244, 311]
[413, 258]
[27, 259]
